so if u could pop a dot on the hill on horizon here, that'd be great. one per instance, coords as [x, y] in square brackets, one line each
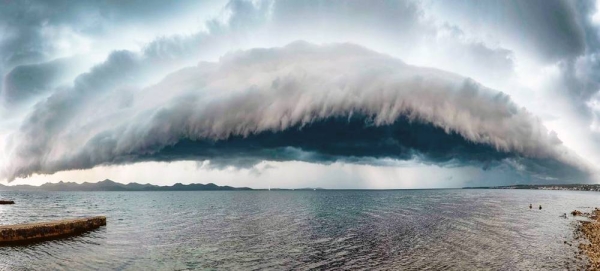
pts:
[109, 185]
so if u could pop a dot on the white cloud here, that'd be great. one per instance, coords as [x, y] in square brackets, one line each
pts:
[545, 63]
[268, 90]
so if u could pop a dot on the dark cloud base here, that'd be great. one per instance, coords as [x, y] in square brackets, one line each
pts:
[343, 137]
[357, 140]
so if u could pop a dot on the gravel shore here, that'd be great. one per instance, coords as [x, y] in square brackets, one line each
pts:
[590, 230]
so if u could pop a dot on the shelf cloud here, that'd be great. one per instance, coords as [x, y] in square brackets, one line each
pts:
[301, 102]
[494, 92]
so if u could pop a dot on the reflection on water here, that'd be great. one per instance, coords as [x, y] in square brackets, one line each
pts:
[415, 229]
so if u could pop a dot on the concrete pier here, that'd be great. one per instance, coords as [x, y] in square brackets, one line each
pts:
[48, 230]
[7, 202]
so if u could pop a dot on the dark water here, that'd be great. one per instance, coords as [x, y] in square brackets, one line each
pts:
[417, 229]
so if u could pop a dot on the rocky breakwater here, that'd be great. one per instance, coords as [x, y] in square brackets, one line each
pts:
[590, 230]
[48, 230]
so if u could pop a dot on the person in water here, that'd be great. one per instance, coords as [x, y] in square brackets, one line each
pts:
[530, 206]
[540, 207]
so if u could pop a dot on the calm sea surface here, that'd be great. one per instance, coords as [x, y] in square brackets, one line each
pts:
[252, 230]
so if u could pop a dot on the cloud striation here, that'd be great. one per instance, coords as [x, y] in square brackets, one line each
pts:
[301, 102]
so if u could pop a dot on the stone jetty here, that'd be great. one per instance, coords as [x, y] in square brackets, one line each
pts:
[7, 202]
[48, 230]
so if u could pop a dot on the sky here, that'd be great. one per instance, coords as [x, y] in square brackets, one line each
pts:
[332, 94]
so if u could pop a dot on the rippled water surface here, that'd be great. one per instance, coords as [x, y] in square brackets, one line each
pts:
[248, 230]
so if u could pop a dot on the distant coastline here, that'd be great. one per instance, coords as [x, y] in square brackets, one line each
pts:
[572, 187]
[108, 185]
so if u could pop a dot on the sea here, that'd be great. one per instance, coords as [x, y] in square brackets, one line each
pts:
[453, 229]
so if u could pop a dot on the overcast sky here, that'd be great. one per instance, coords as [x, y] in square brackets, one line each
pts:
[333, 94]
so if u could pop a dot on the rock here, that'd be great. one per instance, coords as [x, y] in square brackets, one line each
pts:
[591, 231]
[48, 230]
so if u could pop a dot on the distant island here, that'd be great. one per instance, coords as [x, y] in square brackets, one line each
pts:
[574, 187]
[108, 185]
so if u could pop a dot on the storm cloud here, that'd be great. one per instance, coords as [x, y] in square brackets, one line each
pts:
[553, 30]
[338, 102]
[458, 84]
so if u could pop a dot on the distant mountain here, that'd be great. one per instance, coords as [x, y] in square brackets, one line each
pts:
[108, 185]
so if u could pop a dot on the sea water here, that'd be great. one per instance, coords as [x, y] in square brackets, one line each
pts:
[281, 230]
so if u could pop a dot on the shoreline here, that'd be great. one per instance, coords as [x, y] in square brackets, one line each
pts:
[589, 231]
